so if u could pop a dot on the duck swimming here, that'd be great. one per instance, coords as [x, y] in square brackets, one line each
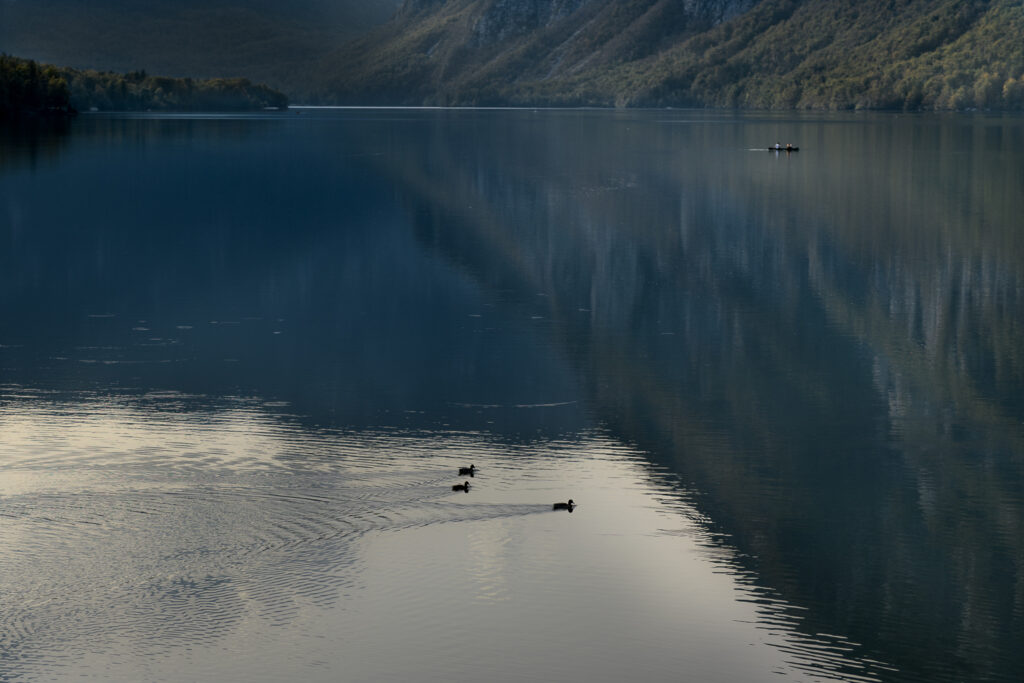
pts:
[461, 487]
[467, 470]
[564, 506]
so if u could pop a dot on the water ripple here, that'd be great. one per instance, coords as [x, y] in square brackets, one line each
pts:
[171, 543]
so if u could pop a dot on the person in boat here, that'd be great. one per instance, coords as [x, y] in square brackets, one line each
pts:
[777, 145]
[789, 146]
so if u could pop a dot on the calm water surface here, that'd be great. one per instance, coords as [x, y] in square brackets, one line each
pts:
[242, 358]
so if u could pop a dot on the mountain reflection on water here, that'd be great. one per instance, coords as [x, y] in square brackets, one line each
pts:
[825, 348]
[829, 347]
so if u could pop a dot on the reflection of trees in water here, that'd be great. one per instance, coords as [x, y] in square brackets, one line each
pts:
[32, 140]
[831, 352]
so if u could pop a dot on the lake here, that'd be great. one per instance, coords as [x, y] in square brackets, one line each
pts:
[243, 357]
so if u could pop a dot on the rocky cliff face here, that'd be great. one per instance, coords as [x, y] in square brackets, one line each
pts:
[504, 19]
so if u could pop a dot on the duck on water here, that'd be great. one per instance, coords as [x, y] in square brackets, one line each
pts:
[461, 487]
[564, 506]
[471, 470]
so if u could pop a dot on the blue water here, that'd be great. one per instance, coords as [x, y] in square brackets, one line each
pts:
[243, 357]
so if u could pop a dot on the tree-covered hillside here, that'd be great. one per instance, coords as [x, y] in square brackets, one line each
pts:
[138, 91]
[838, 54]
[31, 89]
[27, 88]
[830, 54]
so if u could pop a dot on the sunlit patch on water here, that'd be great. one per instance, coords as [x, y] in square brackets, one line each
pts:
[165, 527]
[120, 512]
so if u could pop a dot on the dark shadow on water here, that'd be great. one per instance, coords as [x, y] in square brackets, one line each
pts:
[30, 141]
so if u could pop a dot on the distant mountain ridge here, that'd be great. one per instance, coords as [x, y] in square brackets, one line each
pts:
[782, 54]
[771, 54]
[271, 41]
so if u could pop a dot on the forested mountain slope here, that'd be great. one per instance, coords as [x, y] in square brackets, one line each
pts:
[836, 54]
[944, 54]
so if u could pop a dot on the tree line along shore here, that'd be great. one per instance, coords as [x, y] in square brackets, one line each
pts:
[28, 88]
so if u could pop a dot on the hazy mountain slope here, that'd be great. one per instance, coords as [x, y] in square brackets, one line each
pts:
[270, 41]
[771, 54]
[490, 51]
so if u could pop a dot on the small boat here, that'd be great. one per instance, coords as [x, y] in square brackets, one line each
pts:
[564, 506]
[783, 149]
[461, 487]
